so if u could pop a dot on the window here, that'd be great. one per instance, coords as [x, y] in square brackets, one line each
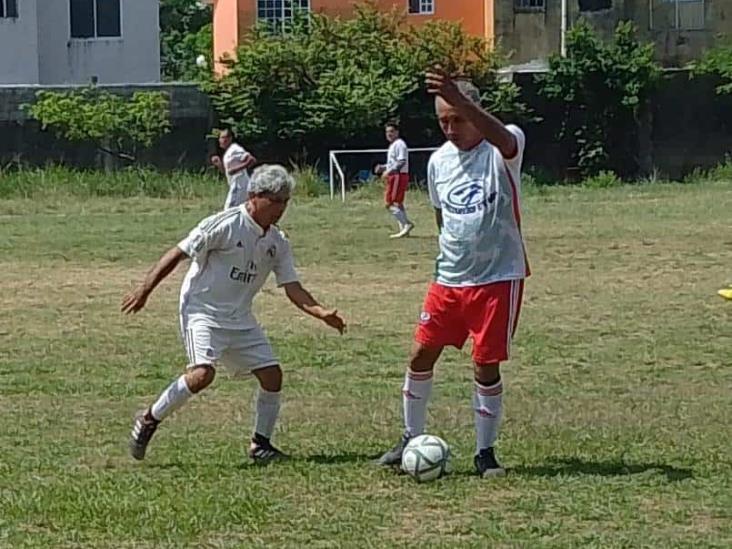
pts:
[9, 8]
[279, 13]
[95, 18]
[422, 6]
[529, 5]
[678, 14]
[595, 5]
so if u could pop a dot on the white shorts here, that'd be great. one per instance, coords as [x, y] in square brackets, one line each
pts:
[239, 351]
[238, 191]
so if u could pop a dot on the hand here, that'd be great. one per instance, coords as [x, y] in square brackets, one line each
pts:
[135, 300]
[216, 161]
[439, 82]
[379, 169]
[332, 319]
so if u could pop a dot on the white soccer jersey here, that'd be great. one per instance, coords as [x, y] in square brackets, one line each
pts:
[238, 182]
[231, 259]
[397, 152]
[478, 193]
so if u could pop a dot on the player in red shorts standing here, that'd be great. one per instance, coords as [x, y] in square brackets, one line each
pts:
[473, 184]
[396, 171]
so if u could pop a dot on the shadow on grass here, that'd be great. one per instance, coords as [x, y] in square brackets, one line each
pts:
[574, 467]
[336, 459]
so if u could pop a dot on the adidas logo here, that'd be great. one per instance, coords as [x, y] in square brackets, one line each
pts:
[239, 244]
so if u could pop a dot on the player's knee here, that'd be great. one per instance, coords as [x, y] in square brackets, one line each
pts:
[200, 377]
[270, 378]
[487, 374]
[423, 358]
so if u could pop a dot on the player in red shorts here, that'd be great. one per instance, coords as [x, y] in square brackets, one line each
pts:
[396, 171]
[473, 184]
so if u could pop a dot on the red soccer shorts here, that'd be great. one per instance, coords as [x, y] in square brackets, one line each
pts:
[489, 314]
[396, 188]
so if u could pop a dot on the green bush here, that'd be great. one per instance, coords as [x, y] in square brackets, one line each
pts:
[603, 180]
[718, 62]
[326, 82]
[115, 124]
[602, 89]
[309, 182]
[722, 173]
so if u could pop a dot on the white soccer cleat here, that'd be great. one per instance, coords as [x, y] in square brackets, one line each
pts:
[405, 230]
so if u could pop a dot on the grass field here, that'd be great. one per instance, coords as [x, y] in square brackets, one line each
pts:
[617, 405]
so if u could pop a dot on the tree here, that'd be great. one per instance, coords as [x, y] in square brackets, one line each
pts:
[117, 126]
[717, 62]
[603, 89]
[186, 32]
[325, 82]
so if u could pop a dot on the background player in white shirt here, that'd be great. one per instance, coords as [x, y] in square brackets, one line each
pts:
[473, 182]
[234, 165]
[232, 254]
[396, 172]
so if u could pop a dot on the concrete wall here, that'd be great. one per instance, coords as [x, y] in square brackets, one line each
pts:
[19, 46]
[533, 35]
[690, 127]
[186, 146]
[132, 58]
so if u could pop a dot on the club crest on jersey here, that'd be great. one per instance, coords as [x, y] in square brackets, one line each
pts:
[272, 250]
[468, 197]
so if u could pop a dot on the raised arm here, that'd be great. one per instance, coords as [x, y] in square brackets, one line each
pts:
[494, 131]
[304, 301]
[135, 300]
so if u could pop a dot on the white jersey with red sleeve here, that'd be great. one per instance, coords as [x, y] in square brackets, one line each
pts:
[478, 192]
[232, 257]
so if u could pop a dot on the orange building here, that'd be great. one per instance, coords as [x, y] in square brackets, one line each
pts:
[234, 18]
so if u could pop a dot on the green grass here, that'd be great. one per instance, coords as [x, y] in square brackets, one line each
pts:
[617, 404]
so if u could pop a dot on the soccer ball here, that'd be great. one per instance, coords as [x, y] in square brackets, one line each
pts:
[426, 458]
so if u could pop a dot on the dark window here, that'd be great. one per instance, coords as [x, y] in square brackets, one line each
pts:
[95, 18]
[108, 18]
[422, 6]
[529, 5]
[11, 8]
[595, 5]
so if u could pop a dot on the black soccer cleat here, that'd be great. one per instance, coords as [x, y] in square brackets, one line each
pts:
[261, 450]
[486, 464]
[394, 456]
[142, 431]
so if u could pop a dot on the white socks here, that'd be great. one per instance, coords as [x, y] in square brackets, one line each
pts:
[400, 215]
[175, 396]
[488, 407]
[268, 408]
[416, 393]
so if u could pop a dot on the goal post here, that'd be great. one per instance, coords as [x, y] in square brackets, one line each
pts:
[337, 172]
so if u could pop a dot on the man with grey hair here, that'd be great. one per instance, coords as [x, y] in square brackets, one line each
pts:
[232, 254]
[473, 182]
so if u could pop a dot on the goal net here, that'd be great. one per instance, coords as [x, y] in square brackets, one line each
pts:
[353, 167]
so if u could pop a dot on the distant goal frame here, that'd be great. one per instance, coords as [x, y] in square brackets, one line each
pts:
[336, 170]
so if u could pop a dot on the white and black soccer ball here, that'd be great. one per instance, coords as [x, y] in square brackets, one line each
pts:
[426, 458]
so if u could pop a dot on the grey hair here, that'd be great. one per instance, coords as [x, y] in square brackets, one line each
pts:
[469, 90]
[272, 179]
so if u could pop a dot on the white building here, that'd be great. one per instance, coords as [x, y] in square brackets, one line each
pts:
[78, 41]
